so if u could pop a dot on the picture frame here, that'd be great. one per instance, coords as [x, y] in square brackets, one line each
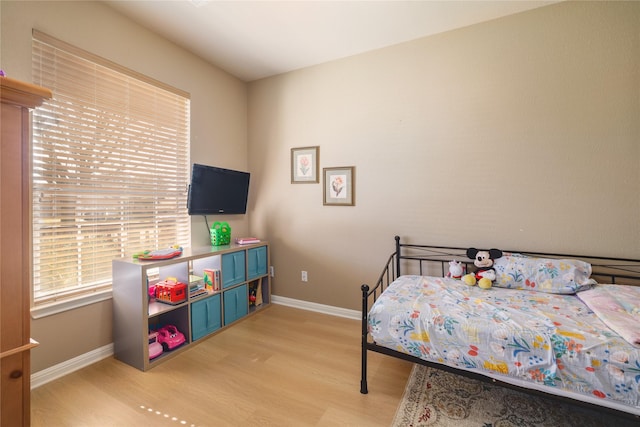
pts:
[339, 186]
[304, 165]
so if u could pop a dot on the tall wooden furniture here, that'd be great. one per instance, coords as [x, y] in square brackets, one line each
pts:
[15, 249]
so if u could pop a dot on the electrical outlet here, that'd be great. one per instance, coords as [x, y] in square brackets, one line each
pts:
[272, 271]
[304, 276]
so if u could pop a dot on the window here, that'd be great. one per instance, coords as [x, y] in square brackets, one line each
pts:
[110, 162]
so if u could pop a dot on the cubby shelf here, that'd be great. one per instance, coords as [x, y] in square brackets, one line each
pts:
[245, 288]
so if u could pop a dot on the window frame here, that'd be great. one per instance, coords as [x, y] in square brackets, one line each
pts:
[166, 203]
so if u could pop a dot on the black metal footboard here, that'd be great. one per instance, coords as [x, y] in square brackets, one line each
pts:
[389, 274]
[415, 259]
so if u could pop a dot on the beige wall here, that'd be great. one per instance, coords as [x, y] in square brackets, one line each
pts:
[218, 126]
[519, 133]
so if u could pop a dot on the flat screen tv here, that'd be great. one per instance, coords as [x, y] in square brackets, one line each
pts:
[217, 191]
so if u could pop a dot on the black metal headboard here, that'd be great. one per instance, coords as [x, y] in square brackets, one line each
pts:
[434, 260]
[604, 269]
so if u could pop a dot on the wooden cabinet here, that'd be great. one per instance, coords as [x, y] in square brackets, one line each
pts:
[244, 288]
[15, 249]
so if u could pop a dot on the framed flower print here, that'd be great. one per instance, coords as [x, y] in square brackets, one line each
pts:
[304, 165]
[339, 186]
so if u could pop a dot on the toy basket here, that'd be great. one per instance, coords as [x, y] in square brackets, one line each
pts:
[220, 233]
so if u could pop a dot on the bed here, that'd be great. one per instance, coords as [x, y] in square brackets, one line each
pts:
[566, 326]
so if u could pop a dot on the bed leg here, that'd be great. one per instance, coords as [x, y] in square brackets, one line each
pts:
[365, 331]
[398, 255]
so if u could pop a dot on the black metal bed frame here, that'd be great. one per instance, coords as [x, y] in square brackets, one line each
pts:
[434, 260]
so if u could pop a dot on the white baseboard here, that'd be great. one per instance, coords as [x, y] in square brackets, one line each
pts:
[320, 308]
[68, 366]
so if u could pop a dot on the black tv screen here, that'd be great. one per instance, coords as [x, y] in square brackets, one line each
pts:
[217, 191]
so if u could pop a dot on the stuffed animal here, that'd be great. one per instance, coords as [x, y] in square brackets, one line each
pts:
[456, 269]
[483, 260]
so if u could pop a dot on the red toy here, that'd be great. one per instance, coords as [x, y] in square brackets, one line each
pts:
[171, 291]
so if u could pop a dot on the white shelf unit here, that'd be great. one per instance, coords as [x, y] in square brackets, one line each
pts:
[244, 271]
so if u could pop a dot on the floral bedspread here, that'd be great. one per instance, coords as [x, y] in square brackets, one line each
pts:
[549, 339]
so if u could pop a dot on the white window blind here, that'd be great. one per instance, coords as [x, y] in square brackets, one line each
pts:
[110, 163]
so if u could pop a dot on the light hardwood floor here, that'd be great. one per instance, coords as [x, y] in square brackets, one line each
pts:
[280, 367]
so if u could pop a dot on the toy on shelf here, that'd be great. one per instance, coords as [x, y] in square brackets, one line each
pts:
[170, 337]
[255, 294]
[220, 233]
[151, 293]
[168, 253]
[155, 348]
[171, 291]
[212, 279]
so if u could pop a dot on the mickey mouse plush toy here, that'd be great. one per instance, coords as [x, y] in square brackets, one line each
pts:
[485, 274]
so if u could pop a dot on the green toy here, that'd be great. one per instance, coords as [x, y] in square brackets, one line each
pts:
[220, 233]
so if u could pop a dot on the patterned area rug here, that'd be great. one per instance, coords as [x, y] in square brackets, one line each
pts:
[437, 398]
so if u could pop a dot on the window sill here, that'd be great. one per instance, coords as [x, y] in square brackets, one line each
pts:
[69, 304]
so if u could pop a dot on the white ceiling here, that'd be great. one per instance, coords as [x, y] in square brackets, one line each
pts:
[256, 39]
